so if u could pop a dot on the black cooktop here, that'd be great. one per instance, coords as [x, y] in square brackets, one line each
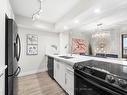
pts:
[113, 68]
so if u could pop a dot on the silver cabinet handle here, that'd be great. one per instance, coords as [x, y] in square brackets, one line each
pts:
[65, 78]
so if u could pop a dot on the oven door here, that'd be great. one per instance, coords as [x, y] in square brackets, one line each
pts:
[85, 86]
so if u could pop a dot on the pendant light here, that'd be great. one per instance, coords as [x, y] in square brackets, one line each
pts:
[100, 33]
[37, 14]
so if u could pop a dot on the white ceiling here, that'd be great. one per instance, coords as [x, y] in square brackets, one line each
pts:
[111, 12]
[76, 14]
[53, 10]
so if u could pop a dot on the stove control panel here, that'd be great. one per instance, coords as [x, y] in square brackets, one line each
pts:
[116, 81]
[110, 79]
[122, 83]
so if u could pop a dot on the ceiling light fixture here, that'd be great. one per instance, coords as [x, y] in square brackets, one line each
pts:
[76, 21]
[101, 37]
[97, 10]
[100, 33]
[36, 15]
[65, 28]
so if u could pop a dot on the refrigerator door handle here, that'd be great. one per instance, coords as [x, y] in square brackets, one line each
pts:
[18, 42]
[17, 71]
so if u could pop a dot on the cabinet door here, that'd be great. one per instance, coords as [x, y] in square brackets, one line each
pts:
[56, 70]
[62, 74]
[59, 73]
[69, 81]
[2, 84]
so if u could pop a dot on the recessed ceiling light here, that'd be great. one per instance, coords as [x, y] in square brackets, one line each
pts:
[65, 28]
[98, 10]
[76, 21]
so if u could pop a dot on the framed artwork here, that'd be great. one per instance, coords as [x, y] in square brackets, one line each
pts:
[79, 45]
[32, 39]
[32, 44]
[32, 49]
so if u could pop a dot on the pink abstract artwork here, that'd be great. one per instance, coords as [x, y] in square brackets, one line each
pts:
[78, 45]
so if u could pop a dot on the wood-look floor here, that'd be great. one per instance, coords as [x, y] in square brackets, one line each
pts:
[38, 84]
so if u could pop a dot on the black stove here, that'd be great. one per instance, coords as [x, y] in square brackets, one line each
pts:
[110, 77]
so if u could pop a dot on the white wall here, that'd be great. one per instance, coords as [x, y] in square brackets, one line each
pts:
[114, 42]
[4, 8]
[64, 42]
[27, 22]
[36, 63]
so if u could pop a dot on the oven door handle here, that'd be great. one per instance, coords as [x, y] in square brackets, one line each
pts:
[97, 85]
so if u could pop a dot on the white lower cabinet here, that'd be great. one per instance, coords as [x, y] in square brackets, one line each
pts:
[69, 81]
[64, 75]
[59, 73]
[56, 70]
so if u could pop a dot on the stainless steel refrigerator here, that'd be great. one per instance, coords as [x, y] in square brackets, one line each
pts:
[12, 55]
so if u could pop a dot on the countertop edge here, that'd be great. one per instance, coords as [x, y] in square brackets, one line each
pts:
[61, 59]
[71, 62]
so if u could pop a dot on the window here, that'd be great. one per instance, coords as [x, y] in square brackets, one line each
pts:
[124, 45]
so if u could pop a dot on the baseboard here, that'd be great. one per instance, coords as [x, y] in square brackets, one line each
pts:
[31, 72]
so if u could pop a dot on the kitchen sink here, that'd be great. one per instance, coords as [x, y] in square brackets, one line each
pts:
[66, 57]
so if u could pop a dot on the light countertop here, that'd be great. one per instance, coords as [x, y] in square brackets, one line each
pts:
[80, 58]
